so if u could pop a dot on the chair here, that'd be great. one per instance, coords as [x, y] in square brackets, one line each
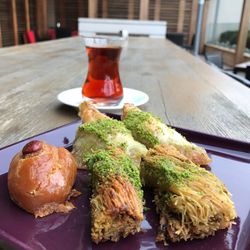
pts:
[74, 33]
[191, 46]
[247, 76]
[176, 38]
[51, 34]
[29, 36]
[215, 58]
[63, 32]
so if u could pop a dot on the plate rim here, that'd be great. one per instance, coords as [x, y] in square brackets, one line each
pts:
[145, 99]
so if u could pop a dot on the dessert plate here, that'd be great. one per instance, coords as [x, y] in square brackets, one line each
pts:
[73, 97]
[20, 230]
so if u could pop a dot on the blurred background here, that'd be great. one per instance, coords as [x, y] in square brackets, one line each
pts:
[224, 29]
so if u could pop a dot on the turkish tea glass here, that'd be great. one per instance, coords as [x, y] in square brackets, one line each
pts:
[103, 84]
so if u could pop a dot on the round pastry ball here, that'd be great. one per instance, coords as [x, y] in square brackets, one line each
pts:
[41, 177]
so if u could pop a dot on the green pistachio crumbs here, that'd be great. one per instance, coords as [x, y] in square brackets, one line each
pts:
[135, 122]
[165, 172]
[162, 172]
[103, 128]
[103, 163]
[188, 166]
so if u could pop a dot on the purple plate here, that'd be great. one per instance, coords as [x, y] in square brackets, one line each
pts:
[20, 230]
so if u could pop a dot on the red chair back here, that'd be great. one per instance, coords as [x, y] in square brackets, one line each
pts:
[52, 34]
[30, 36]
[74, 33]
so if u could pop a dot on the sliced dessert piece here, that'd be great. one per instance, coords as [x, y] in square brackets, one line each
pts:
[151, 131]
[117, 199]
[99, 132]
[192, 202]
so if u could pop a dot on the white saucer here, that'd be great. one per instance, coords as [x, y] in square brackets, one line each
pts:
[73, 97]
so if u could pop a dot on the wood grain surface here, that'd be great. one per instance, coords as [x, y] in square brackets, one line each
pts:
[184, 91]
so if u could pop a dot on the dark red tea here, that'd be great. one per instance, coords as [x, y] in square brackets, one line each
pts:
[103, 82]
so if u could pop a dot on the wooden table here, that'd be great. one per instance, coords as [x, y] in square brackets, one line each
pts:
[184, 91]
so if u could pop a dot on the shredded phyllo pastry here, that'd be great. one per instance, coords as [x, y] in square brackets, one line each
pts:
[192, 202]
[151, 131]
[117, 199]
[99, 132]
